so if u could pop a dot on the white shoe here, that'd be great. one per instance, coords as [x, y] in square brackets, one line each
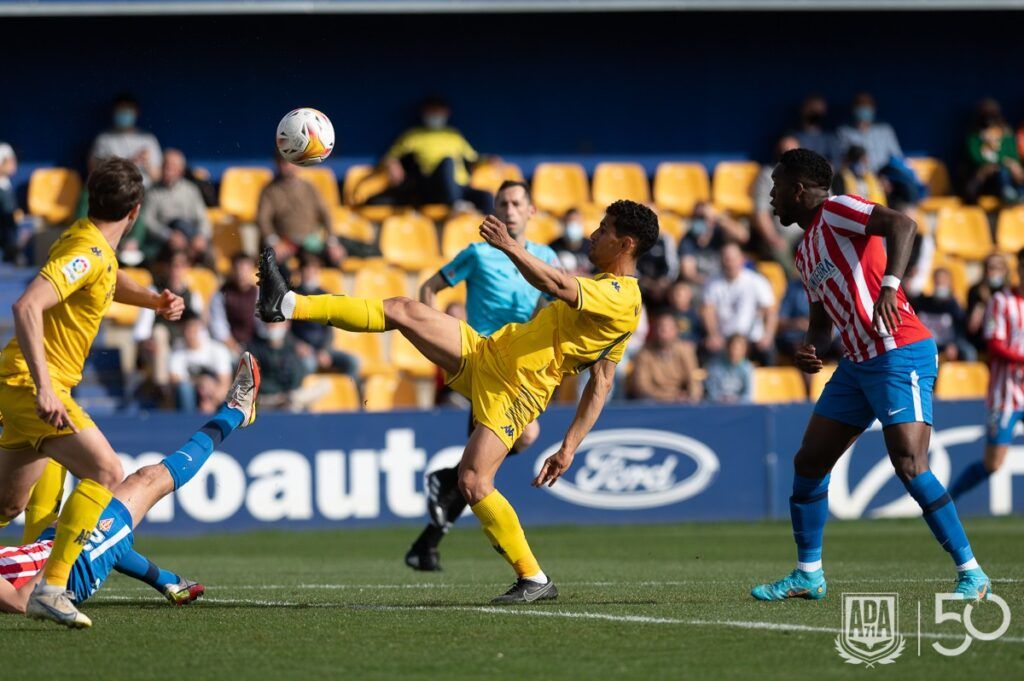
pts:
[245, 388]
[56, 607]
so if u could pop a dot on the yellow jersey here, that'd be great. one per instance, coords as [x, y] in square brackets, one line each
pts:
[430, 147]
[83, 270]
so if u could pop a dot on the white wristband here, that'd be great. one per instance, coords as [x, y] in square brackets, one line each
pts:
[891, 281]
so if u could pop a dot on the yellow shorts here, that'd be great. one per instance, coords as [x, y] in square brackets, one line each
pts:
[500, 404]
[22, 426]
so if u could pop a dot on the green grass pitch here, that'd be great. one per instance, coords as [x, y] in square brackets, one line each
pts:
[652, 601]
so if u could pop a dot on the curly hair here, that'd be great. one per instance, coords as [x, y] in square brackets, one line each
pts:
[805, 165]
[636, 220]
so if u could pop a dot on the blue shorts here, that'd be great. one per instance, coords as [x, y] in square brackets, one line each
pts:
[894, 387]
[1000, 427]
[111, 540]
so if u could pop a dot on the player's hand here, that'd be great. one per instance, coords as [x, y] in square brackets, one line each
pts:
[806, 360]
[887, 312]
[496, 233]
[171, 306]
[553, 468]
[52, 410]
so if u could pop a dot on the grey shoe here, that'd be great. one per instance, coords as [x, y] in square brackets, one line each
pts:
[525, 591]
[56, 607]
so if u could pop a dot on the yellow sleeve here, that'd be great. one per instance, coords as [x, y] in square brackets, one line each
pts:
[604, 298]
[400, 148]
[72, 265]
[468, 152]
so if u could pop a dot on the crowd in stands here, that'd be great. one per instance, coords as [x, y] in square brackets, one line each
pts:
[721, 296]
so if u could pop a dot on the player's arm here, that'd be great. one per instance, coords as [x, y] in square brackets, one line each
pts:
[539, 274]
[429, 288]
[166, 304]
[816, 341]
[898, 231]
[602, 374]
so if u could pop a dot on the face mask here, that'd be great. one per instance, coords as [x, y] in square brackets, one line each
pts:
[574, 230]
[996, 281]
[698, 226]
[435, 121]
[859, 169]
[124, 118]
[942, 292]
[275, 334]
[864, 114]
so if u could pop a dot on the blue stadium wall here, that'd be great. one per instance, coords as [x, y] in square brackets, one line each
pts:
[684, 85]
[641, 464]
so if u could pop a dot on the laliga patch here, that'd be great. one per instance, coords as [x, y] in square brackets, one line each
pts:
[75, 269]
[105, 525]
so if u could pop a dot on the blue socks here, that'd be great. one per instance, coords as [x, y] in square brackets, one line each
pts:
[139, 567]
[186, 462]
[941, 516]
[808, 509]
[973, 475]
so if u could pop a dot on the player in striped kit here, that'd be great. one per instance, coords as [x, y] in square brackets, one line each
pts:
[887, 373]
[1004, 331]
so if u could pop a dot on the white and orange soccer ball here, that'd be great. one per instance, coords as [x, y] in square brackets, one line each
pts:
[305, 137]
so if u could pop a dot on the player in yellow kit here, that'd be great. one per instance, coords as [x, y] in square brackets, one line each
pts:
[56, 320]
[510, 376]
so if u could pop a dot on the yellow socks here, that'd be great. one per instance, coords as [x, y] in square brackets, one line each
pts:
[350, 314]
[44, 504]
[501, 525]
[77, 522]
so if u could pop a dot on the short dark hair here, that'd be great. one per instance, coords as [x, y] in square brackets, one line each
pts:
[636, 220]
[508, 184]
[115, 187]
[126, 98]
[239, 256]
[805, 165]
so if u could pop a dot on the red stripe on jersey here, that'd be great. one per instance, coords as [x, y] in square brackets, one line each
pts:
[19, 564]
[1005, 322]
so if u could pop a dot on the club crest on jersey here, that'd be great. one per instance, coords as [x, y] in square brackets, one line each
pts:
[105, 525]
[825, 269]
[616, 286]
[75, 269]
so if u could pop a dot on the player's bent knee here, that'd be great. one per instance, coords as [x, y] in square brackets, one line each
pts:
[399, 310]
[908, 466]
[474, 487]
[529, 436]
[110, 473]
[155, 476]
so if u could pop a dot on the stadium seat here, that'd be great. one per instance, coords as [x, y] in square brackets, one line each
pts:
[125, 315]
[778, 384]
[384, 392]
[614, 181]
[458, 232]
[543, 228]
[678, 187]
[351, 225]
[819, 380]
[332, 280]
[204, 281]
[339, 393]
[326, 183]
[438, 212]
[962, 381]
[1010, 229]
[963, 232]
[227, 237]
[362, 182]
[405, 357]
[557, 187]
[731, 186]
[776, 276]
[957, 270]
[53, 194]
[489, 176]
[673, 225]
[379, 281]
[933, 174]
[240, 189]
[409, 241]
[365, 346]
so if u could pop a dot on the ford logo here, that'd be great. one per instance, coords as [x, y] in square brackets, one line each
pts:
[633, 468]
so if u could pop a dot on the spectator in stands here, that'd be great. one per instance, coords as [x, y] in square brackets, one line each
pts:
[688, 323]
[884, 156]
[794, 318]
[231, 319]
[855, 177]
[658, 268]
[432, 161]
[573, 246]
[772, 239]
[701, 246]
[995, 167]
[812, 133]
[175, 214]
[740, 301]
[281, 368]
[8, 204]
[313, 341]
[730, 374]
[665, 369]
[944, 317]
[994, 279]
[292, 216]
[198, 355]
[126, 140]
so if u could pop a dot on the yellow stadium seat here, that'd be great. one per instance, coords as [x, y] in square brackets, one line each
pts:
[409, 241]
[53, 194]
[776, 276]
[778, 384]
[351, 225]
[592, 216]
[332, 280]
[365, 346]
[557, 187]
[339, 393]
[438, 212]
[731, 186]
[125, 315]
[489, 176]
[458, 232]
[932, 172]
[678, 187]
[363, 182]
[614, 181]
[963, 232]
[227, 237]
[957, 271]
[405, 357]
[379, 281]
[543, 228]
[326, 183]
[961, 381]
[819, 380]
[240, 189]
[1010, 229]
[672, 224]
[384, 392]
[204, 282]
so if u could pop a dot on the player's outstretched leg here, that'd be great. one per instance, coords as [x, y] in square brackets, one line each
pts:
[177, 590]
[980, 471]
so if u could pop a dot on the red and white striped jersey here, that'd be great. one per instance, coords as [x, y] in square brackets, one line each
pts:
[1004, 321]
[842, 267]
[19, 564]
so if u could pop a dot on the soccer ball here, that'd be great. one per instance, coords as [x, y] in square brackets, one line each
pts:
[305, 137]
